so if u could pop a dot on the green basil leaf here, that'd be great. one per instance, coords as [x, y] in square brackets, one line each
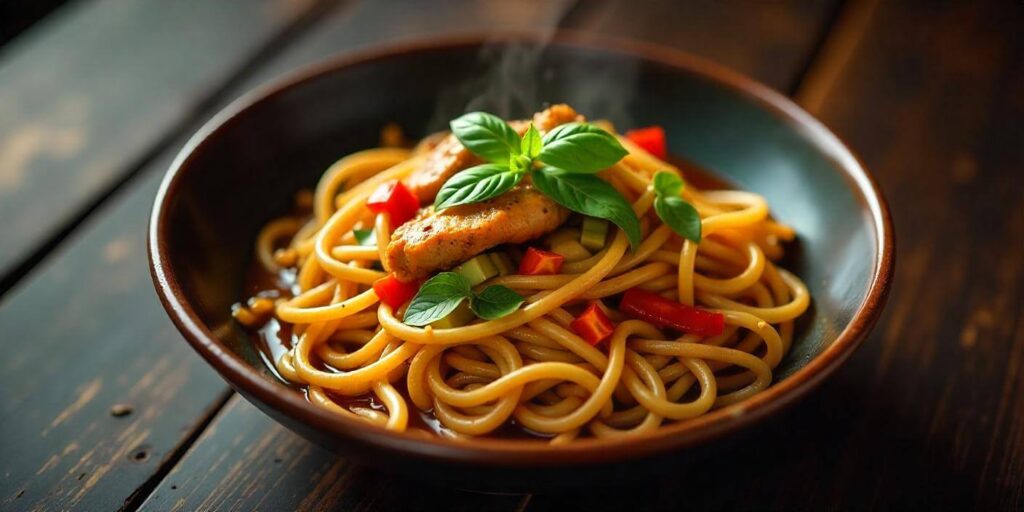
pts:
[667, 184]
[589, 195]
[487, 136]
[495, 302]
[476, 184]
[438, 297]
[681, 216]
[531, 142]
[580, 147]
[365, 236]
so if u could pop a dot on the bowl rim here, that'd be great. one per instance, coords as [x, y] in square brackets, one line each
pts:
[518, 453]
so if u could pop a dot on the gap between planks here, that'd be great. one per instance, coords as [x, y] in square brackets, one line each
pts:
[137, 498]
[833, 54]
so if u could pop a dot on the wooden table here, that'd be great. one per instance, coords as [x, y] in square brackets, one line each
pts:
[104, 406]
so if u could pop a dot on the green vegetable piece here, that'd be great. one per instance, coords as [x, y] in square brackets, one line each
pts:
[591, 196]
[437, 298]
[460, 316]
[593, 233]
[495, 302]
[667, 184]
[476, 184]
[477, 270]
[681, 216]
[503, 263]
[487, 136]
[580, 148]
[365, 236]
[571, 250]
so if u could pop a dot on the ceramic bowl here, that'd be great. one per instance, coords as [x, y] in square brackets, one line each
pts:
[243, 168]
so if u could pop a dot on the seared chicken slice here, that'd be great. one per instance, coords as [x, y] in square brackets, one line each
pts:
[446, 159]
[450, 157]
[440, 240]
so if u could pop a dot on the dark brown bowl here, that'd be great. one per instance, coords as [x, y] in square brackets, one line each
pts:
[244, 166]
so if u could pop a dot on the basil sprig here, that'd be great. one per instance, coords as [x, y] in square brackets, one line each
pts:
[570, 154]
[681, 216]
[441, 294]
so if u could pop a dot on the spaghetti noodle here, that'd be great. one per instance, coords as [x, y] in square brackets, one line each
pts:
[354, 355]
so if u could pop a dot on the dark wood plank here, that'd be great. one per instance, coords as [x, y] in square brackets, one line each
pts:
[246, 461]
[92, 90]
[770, 41]
[306, 477]
[929, 414]
[85, 335]
[100, 392]
[934, 100]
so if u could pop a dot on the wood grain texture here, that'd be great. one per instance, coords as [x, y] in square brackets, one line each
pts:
[770, 41]
[85, 335]
[91, 91]
[934, 101]
[246, 461]
[929, 414]
[99, 390]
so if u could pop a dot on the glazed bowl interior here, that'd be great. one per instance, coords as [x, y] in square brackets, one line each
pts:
[245, 167]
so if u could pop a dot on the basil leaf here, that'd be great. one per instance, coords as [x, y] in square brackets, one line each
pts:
[681, 216]
[589, 195]
[487, 136]
[365, 236]
[495, 302]
[581, 147]
[476, 184]
[531, 142]
[667, 184]
[438, 297]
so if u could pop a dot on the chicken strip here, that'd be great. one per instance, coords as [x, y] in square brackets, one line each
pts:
[450, 157]
[440, 240]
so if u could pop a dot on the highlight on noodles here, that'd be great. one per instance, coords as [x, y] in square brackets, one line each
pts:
[542, 278]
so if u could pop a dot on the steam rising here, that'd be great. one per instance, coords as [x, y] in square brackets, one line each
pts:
[522, 78]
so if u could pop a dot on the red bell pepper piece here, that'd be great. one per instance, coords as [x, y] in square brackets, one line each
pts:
[651, 139]
[393, 292]
[662, 312]
[537, 262]
[395, 199]
[593, 325]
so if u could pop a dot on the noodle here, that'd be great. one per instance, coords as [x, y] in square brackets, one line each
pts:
[530, 367]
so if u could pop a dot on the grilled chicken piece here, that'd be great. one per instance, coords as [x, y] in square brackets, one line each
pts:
[449, 157]
[446, 159]
[440, 240]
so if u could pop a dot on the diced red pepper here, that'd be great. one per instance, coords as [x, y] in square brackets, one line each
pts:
[651, 139]
[593, 325]
[538, 262]
[662, 312]
[395, 199]
[393, 292]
